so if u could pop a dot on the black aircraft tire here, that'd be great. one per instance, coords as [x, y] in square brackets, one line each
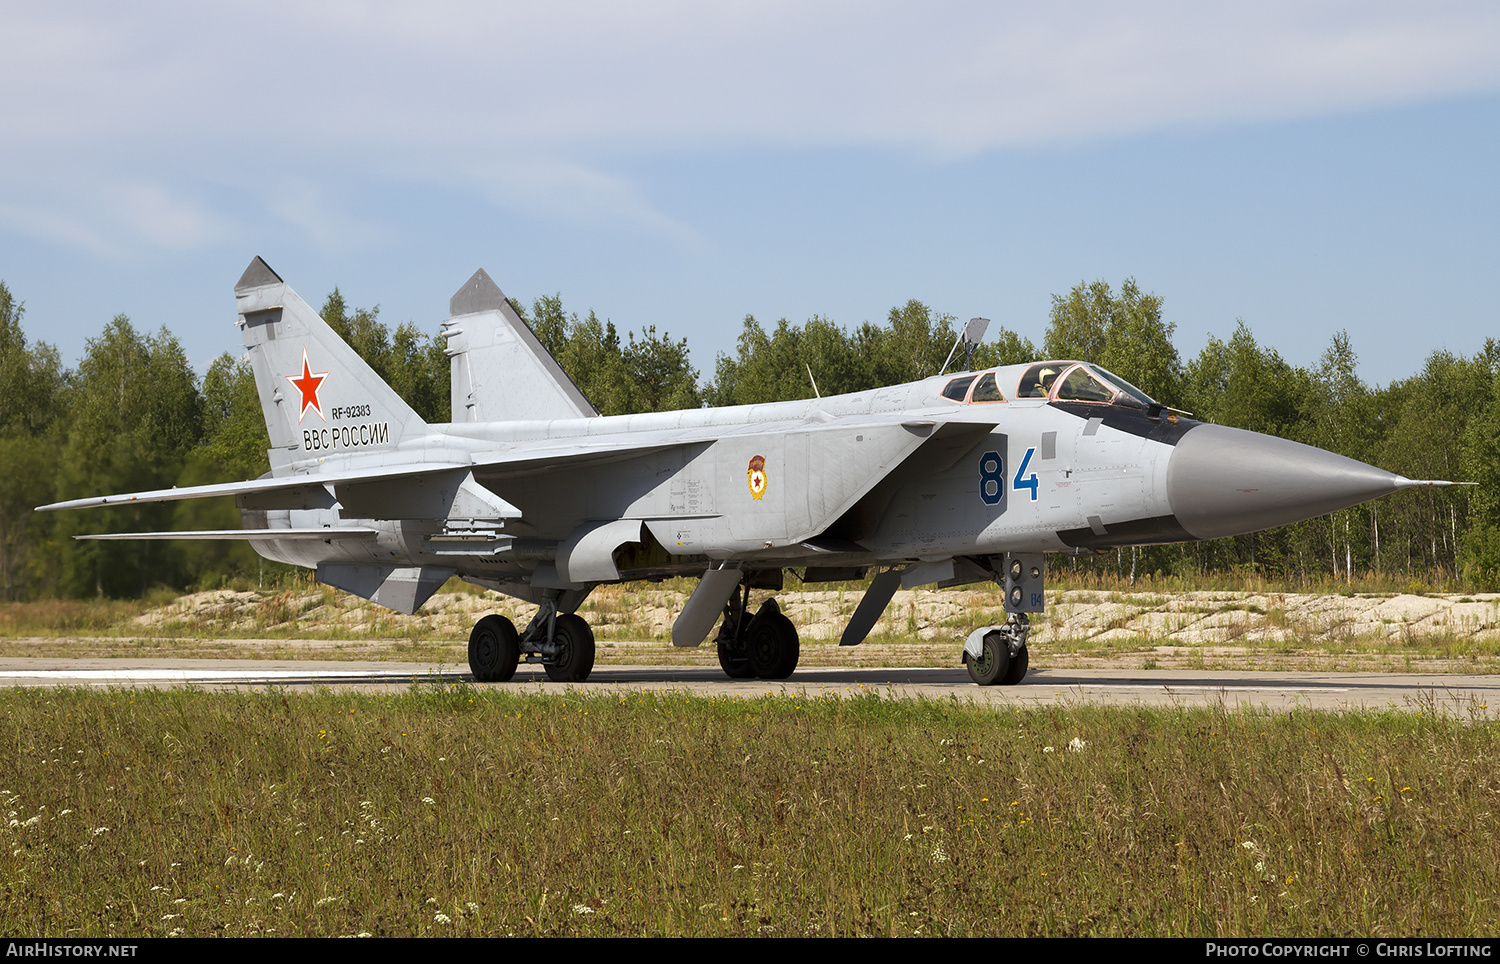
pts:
[575, 657]
[791, 648]
[1017, 669]
[494, 650]
[772, 644]
[733, 658]
[734, 663]
[993, 662]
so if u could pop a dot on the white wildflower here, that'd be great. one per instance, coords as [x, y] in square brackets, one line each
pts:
[1048, 749]
[582, 909]
[1076, 745]
[441, 918]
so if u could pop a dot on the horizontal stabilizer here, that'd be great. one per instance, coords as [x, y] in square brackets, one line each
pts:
[250, 535]
[296, 486]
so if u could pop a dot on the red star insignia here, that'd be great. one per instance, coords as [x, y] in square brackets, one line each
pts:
[307, 385]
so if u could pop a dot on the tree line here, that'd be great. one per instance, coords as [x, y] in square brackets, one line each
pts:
[134, 415]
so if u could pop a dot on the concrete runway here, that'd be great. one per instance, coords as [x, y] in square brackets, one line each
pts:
[1277, 691]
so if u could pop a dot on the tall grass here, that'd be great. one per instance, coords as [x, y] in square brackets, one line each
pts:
[462, 811]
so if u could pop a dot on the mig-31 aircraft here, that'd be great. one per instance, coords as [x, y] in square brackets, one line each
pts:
[951, 480]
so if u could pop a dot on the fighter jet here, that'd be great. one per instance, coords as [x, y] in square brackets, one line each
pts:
[951, 480]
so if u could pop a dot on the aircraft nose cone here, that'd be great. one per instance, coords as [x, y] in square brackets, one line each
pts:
[1225, 481]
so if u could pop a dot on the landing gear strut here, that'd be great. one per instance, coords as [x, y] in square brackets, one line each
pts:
[997, 654]
[763, 645]
[561, 642]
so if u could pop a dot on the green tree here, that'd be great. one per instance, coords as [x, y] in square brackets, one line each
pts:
[783, 363]
[1124, 333]
[1243, 385]
[234, 447]
[660, 376]
[31, 377]
[648, 373]
[411, 362]
[765, 367]
[32, 390]
[136, 414]
[914, 344]
[1004, 347]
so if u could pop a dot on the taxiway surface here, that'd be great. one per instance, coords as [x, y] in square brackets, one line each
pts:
[1465, 695]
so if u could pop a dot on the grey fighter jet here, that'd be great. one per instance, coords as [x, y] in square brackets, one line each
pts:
[951, 480]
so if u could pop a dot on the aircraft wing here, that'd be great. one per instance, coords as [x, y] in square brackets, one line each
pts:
[427, 490]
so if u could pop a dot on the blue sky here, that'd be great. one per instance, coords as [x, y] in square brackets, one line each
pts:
[1308, 167]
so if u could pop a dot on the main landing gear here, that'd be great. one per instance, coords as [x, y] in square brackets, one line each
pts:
[561, 642]
[997, 654]
[764, 645]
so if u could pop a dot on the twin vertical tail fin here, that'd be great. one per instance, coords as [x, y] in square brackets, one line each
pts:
[501, 370]
[318, 396]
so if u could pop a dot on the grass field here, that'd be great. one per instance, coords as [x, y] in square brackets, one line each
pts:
[461, 811]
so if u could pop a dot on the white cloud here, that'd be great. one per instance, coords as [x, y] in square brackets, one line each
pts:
[301, 203]
[526, 102]
[54, 226]
[557, 187]
[160, 217]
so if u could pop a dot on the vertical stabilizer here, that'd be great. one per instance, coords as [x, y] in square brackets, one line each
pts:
[501, 371]
[318, 396]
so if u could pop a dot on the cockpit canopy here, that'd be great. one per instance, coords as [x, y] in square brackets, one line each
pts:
[1063, 381]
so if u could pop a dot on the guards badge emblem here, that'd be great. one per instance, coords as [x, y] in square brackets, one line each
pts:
[757, 476]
